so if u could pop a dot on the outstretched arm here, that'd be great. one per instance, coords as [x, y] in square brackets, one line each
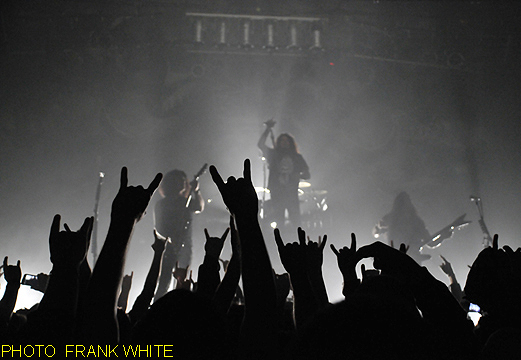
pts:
[13, 274]
[143, 300]
[438, 306]
[314, 260]
[454, 286]
[347, 260]
[261, 144]
[209, 278]
[293, 258]
[259, 288]
[226, 291]
[99, 323]
[68, 250]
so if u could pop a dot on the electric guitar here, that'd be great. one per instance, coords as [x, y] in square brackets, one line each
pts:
[447, 232]
[196, 178]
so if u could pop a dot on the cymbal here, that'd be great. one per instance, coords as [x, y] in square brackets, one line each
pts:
[260, 189]
[317, 192]
[304, 184]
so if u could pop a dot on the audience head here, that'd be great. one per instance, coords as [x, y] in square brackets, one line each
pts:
[186, 320]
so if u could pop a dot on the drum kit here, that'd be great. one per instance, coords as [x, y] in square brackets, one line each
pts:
[313, 204]
[313, 207]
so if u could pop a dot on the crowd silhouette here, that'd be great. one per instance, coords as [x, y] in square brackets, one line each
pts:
[398, 310]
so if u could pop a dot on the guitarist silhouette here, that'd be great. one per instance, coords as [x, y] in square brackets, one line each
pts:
[404, 225]
[173, 219]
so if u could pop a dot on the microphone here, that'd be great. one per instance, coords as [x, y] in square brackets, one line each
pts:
[474, 198]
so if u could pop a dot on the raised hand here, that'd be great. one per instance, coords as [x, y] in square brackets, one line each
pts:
[180, 275]
[403, 248]
[489, 282]
[270, 123]
[12, 273]
[214, 245]
[41, 282]
[367, 273]
[315, 252]
[132, 201]
[292, 255]
[446, 267]
[238, 194]
[347, 259]
[185, 283]
[68, 247]
[391, 261]
[160, 241]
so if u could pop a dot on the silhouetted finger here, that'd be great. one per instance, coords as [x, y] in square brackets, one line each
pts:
[85, 227]
[334, 249]
[18, 263]
[155, 183]
[301, 236]
[353, 241]
[55, 226]
[225, 234]
[206, 234]
[67, 228]
[495, 241]
[5, 262]
[403, 248]
[216, 177]
[278, 239]
[123, 181]
[247, 170]
[323, 243]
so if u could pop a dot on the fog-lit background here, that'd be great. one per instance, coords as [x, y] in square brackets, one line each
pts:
[420, 97]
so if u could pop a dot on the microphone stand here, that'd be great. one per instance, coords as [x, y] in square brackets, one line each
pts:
[487, 239]
[264, 184]
[264, 175]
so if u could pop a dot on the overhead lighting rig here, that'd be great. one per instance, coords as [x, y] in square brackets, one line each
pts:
[255, 34]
